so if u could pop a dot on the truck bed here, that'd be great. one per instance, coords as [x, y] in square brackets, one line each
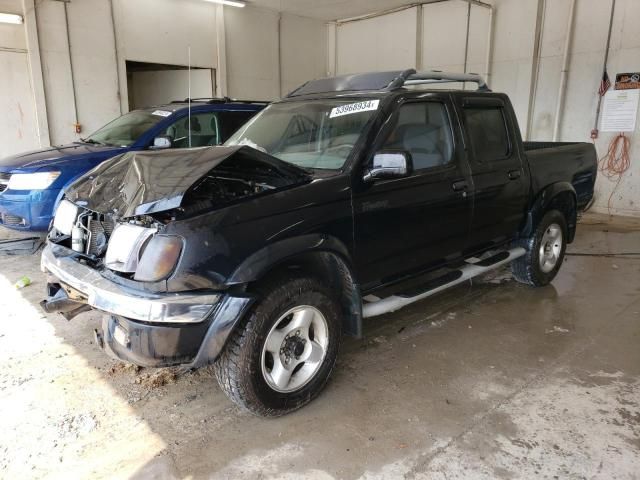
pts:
[574, 162]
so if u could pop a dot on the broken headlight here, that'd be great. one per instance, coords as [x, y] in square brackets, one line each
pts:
[65, 217]
[125, 247]
[159, 258]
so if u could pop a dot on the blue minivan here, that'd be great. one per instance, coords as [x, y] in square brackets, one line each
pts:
[32, 183]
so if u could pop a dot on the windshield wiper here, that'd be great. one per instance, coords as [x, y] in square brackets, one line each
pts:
[91, 141]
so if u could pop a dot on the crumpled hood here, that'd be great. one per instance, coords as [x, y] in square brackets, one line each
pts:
[56, 156]
[141, 183]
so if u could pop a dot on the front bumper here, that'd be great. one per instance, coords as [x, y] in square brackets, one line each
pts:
[110, 297]
[27, 211]
[150, 330]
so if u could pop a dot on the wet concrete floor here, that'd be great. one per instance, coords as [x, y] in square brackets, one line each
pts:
[489, 380]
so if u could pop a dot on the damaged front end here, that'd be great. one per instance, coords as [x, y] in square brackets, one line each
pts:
[111, 249]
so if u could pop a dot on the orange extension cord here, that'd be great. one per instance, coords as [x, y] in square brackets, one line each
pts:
[616, 162]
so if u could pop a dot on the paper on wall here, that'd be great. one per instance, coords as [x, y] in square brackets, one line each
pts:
[620, 111]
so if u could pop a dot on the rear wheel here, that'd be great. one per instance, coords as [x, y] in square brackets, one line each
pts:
[545, 250]
[285, 353]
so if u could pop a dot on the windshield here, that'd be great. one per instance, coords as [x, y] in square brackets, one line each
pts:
[125, 130]
[313, 134]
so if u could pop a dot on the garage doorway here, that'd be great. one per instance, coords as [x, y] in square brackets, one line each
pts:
[155, 84]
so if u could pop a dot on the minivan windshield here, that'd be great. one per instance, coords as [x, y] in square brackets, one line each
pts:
[311, 134]
[125, 130]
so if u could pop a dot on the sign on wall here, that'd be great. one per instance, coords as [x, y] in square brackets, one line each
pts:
[628, 81]
[620, 111]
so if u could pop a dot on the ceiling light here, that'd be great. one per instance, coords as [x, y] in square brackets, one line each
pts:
[231, 3]
[11, 18]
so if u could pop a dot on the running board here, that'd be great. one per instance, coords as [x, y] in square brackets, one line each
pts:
[396, 302]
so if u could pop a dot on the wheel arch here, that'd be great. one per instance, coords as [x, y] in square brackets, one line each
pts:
[557, 196]
[322, 256]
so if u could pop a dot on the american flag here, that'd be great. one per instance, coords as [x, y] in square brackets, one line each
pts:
[605, 84]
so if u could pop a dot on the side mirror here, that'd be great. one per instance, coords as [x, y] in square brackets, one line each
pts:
[389, 165]
[161, 142]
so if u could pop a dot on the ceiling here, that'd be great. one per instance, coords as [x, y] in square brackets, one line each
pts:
[332, 9]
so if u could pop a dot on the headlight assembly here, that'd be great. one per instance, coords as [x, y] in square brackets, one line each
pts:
[125, 247]
[65, 217]
[159, 258]
[32, 181]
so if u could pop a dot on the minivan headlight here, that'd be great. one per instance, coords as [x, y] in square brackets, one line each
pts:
[32, 181]
[159, 258]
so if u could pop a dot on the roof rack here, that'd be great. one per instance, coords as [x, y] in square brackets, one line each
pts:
[385, 81]
[436, 76]
[212, 100]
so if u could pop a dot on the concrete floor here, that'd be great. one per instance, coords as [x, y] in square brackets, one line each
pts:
[493, 380]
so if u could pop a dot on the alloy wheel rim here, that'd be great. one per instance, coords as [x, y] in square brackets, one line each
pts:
[295, 348]
[550, 248]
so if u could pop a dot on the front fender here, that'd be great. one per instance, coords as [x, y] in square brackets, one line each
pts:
[265, 259]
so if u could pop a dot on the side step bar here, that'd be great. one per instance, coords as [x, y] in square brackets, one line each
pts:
[396, 302]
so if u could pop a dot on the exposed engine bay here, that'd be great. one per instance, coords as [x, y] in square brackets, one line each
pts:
[115, 230]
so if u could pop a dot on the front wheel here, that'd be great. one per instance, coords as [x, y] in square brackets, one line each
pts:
[285, 353]
[545, 250]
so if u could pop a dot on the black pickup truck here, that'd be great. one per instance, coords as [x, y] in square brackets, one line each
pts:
[352, 197]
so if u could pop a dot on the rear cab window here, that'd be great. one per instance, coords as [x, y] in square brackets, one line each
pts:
[487, 131]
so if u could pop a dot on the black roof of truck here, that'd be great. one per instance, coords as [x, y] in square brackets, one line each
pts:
[382, 82]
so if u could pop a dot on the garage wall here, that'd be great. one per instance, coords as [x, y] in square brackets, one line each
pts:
[270, 53]
[303, 50]
[161, 31]
[82, 56]
[382, 43]
[512, 68]
[252, 71]
[362, 46]
[18, 130]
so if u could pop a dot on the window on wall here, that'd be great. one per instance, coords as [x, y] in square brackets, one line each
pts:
[487, 132]
[422, 129]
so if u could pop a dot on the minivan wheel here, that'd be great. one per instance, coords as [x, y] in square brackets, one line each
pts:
[545, 251]
[283, 355]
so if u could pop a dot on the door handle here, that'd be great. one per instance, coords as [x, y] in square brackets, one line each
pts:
[514, 174]
[460, 186]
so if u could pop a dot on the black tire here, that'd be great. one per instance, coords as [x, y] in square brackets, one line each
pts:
[527, 269]
[239, 369]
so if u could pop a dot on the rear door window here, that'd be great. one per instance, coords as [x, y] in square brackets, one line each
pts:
[487, 132]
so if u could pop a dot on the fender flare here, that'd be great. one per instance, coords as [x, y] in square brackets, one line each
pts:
[274, 254]
[544, 200]
[335, 258]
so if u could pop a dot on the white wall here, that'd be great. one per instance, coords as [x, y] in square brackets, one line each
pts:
[303, 50]
[269, 53]
[81, 64]
[252, 53]
[358, 48]
[18, 130]
[12, 36]
[514, 41]
[380, 43]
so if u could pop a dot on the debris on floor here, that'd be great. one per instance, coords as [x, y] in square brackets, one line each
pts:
[158, 378]
[21, 246]
[22, 282]
[556, 329]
